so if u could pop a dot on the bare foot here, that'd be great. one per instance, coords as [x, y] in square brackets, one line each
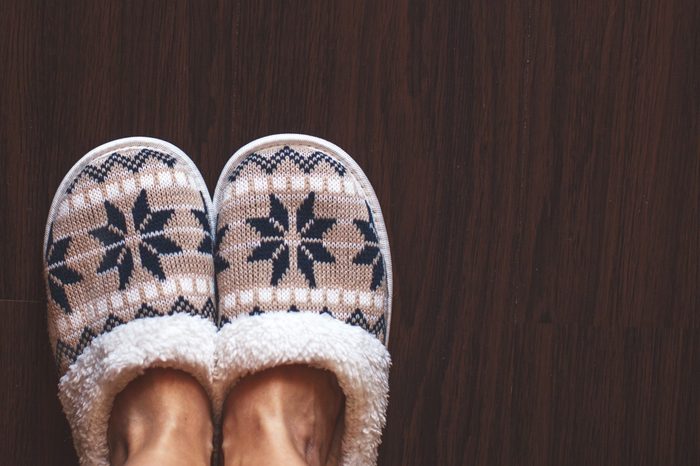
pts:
[290, 415]
[163, 417]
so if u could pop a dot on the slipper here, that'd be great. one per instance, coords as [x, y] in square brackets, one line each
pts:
[129, 273]
[303, 274]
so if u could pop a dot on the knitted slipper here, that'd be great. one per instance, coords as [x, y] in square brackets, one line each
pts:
[304, 275]
[129, 272]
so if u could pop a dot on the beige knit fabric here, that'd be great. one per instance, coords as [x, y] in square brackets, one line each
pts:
[295, 233]
[129, 238]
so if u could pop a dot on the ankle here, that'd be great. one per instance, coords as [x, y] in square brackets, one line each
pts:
[171, 434]
[261, 437]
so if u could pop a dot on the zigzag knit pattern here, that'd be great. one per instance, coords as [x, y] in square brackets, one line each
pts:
[269, 163]
[130, 239]
[133, 164]
[296, 234]
[69, 353]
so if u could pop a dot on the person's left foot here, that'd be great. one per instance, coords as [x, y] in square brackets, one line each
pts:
[130, 279]
[163, 417]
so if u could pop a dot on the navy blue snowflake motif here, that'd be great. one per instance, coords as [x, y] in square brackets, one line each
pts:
[272, 230]
[151, 239]
[203, 217]
[370, 253]
[275, 239]
[311, 230]
[60, 274]
[220, 263]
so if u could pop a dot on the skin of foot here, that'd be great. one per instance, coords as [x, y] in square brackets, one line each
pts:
[290, 415]
[162, 417]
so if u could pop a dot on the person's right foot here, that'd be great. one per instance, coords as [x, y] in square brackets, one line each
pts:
[303, 276]
[286, 415]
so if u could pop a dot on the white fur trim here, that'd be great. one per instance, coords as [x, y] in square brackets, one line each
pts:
[114, 359]
[360, 361]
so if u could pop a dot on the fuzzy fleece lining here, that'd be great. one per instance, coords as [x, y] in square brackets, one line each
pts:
[114, 359]
[360, 362]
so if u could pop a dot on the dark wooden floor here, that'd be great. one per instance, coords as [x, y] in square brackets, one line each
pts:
[539, 167]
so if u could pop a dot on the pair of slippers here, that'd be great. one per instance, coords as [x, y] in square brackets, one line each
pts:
[288, 264]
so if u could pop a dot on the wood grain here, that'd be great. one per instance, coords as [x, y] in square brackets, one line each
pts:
[539, 167]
